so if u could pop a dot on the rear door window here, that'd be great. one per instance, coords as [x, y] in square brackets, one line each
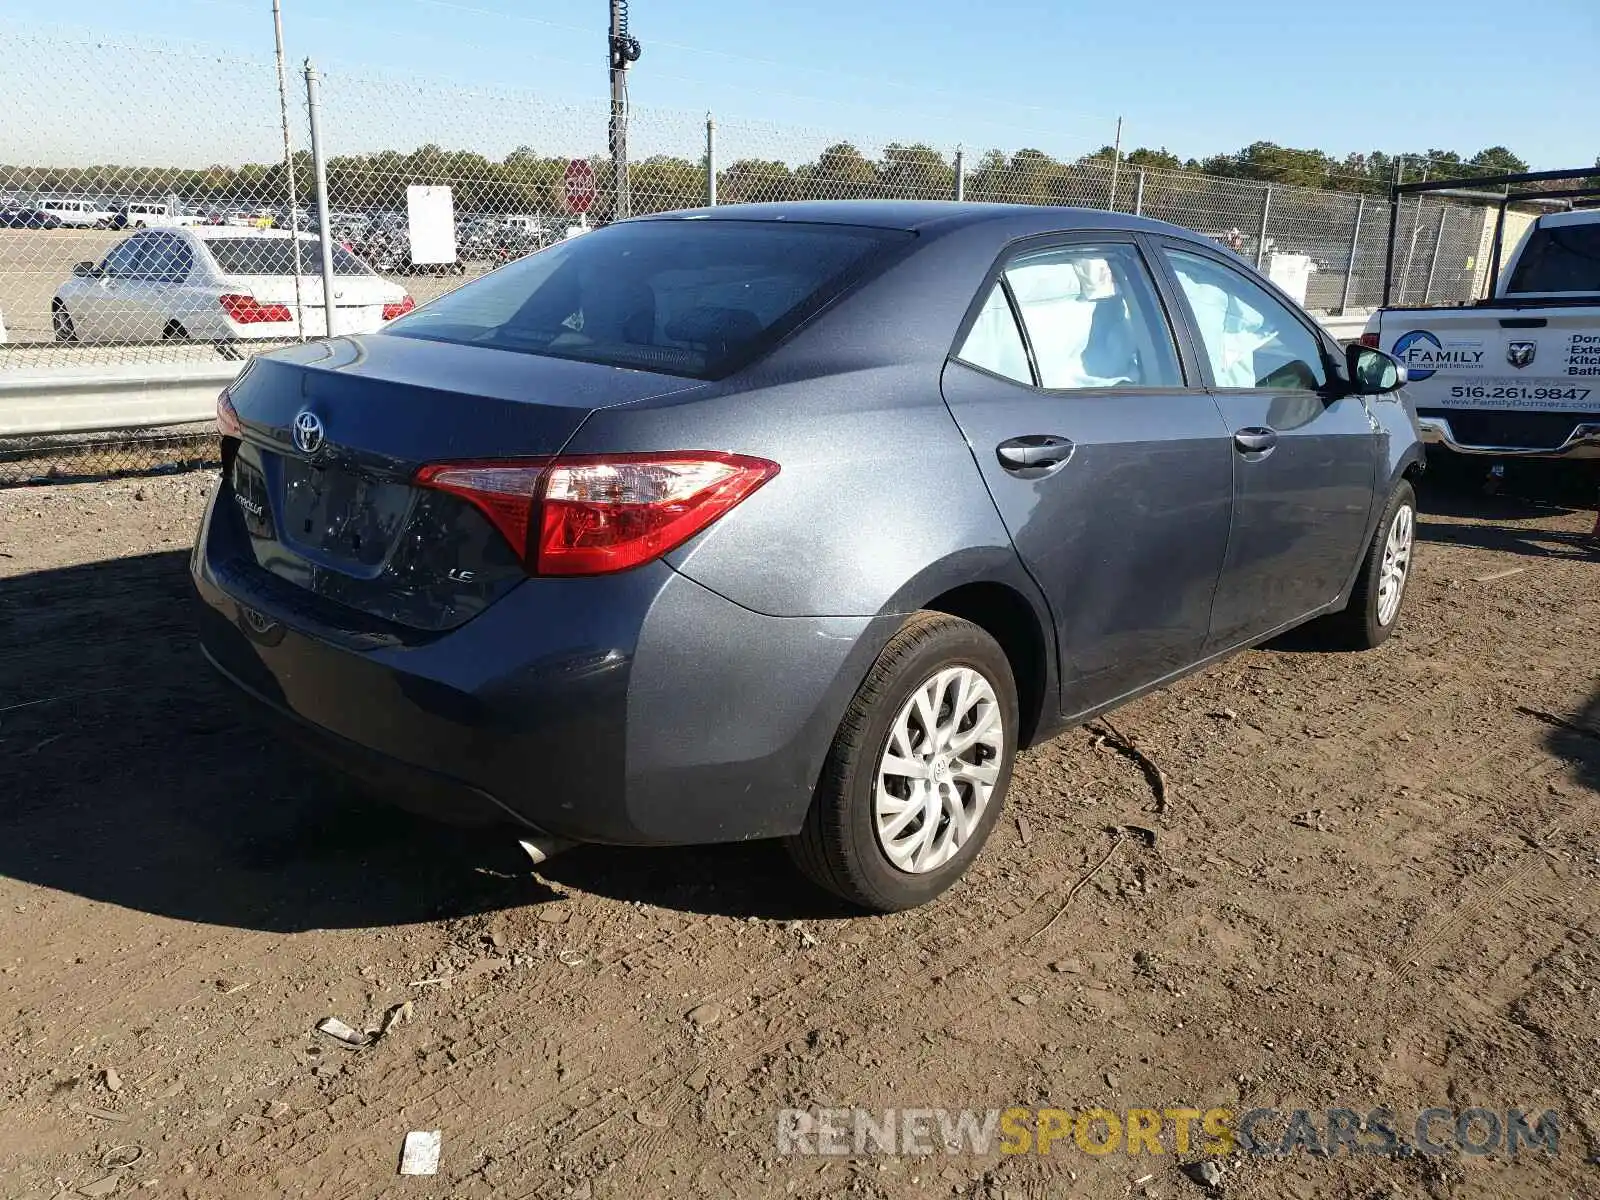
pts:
[994, 342]
[687, 297]
[180, 261]
[1093, 318]
[1559, 258]
[170, 263]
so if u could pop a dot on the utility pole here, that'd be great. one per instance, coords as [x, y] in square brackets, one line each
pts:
[623, 50]
[319, 167]
[1116, 161]
[288, 166]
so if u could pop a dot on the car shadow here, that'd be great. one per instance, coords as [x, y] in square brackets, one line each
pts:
[745, 879]
[1574, 738]
[131, 774]
[1500, 520]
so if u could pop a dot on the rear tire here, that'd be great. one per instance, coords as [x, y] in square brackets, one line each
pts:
[918, 771]
[1379, 595]
[174, 332]
[61, 322]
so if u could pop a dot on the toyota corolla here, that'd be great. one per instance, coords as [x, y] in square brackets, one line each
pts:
[793, 521]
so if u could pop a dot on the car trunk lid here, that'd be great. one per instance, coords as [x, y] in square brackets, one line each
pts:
[334, 433]
[358, 300]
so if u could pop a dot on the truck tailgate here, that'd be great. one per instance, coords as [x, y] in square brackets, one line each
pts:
[1508, 359]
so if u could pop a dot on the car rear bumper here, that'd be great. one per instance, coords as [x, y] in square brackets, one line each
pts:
[634, 709]
[406, 785]
[1582, 442]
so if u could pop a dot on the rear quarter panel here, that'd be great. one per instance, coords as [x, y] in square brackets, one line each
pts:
[878, 505]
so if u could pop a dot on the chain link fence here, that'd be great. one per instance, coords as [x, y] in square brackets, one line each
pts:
[162, 205]
[61, 458]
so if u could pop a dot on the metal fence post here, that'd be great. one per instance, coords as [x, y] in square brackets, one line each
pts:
[1394, 228]
[961, 173]
[288, 163]
[1355, 244]
[1261, 238]
[1138, 196]
[1411, 250]
[1438, 244]
[711, 161]
[320, 166]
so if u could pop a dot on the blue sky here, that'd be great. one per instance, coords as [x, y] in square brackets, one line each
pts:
[1196, 78]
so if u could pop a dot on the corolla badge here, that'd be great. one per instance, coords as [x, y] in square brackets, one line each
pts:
[308, 432]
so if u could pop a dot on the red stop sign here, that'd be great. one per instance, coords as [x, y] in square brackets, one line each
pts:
[579, 184]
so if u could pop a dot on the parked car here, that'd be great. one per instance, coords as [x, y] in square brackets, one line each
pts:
[77, 214]
[28, 218]
[793, 520]
[493, 241]
[149, 214]
[218, 284]
[386, 244]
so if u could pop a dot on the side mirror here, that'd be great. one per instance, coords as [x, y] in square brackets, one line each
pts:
[1373, 372]
[85, 270]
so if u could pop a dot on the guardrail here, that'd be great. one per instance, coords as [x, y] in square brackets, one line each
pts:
[110, 398]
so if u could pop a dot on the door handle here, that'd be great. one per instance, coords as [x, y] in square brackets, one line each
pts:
[1035, 453]
[1255, 439]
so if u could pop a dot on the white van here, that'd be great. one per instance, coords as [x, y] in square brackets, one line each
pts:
[79, 214]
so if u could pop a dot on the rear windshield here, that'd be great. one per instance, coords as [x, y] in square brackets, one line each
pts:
[1560, 258]
[686, 297]
[275, 256]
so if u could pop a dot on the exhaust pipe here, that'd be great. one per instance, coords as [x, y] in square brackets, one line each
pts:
[542, 849]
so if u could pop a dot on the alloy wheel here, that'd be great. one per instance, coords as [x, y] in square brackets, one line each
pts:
[1396, 563]
[938, 769]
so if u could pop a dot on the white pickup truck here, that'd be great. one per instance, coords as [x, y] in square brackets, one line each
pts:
[1517, 375]
[150, 214]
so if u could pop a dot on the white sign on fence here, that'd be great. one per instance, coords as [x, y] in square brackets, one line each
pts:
[431, 217]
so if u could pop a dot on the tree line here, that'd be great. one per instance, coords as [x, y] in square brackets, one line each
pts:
[525, 181]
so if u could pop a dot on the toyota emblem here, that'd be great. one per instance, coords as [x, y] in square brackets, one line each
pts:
[308, 432]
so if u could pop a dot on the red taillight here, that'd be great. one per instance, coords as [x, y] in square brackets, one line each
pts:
[247, 310]
[227, 416]
[1369, 340]
[391, 311]
[609, 513]
[596, 514]
[504, 492]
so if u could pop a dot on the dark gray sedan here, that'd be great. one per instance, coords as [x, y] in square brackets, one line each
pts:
[794, 521]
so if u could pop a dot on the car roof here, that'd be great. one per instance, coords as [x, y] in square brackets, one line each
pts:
[1012, 220]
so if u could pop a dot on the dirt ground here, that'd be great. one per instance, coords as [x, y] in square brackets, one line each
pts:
[1375, 883]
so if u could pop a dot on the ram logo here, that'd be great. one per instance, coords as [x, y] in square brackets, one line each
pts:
[1520, 354]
